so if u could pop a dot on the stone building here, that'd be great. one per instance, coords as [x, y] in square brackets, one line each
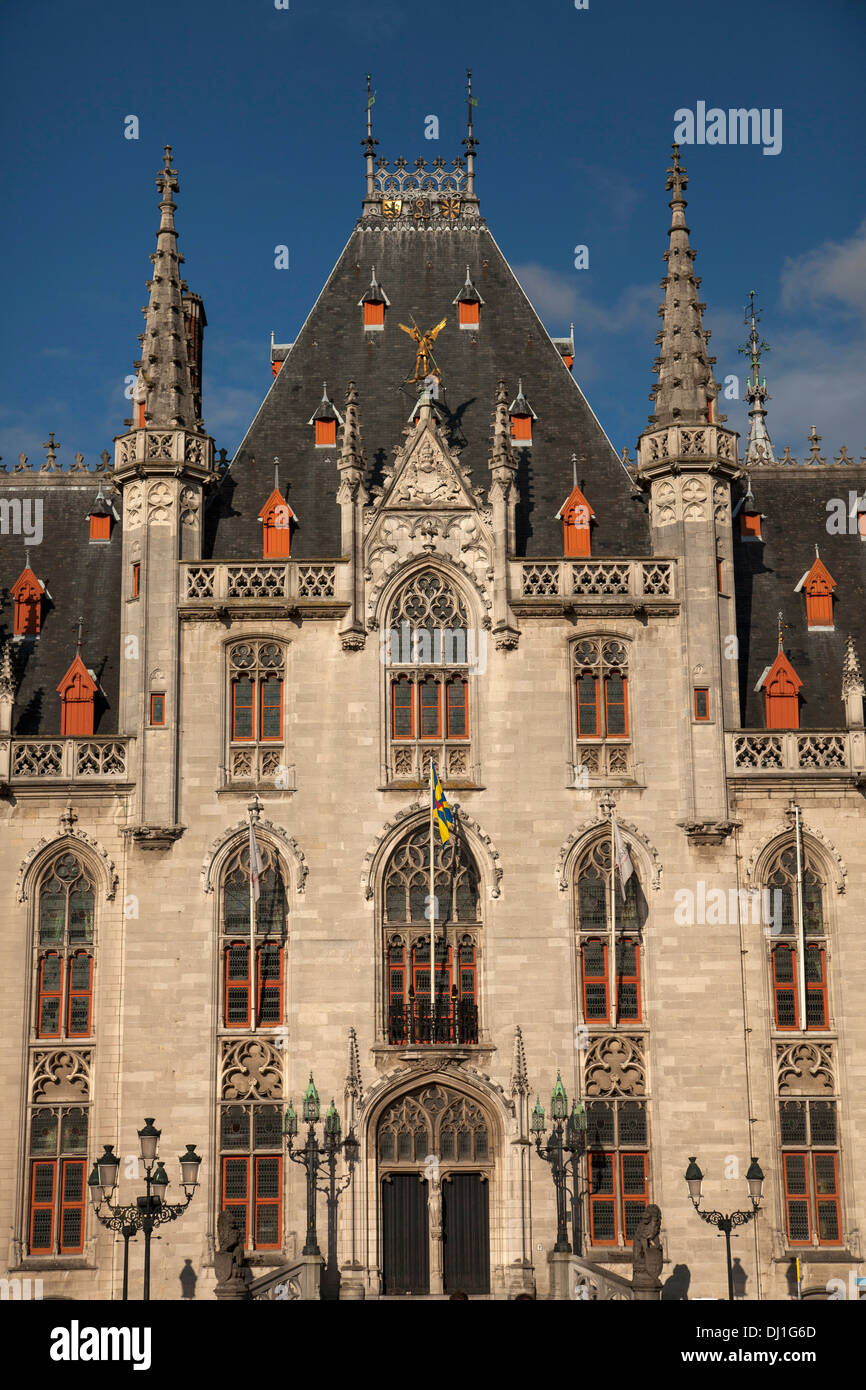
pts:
[427, 550]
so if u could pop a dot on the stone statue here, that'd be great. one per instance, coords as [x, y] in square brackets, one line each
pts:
[647, 1254]
[229, 1263]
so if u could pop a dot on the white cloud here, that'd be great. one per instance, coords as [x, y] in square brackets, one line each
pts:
[836, 271]
[558, 300]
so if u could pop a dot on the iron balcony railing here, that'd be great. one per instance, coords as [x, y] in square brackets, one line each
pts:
[454, 1021]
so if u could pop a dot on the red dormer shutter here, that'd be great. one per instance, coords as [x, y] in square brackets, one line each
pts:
[77, 691]
[781, 698]
[374, 315]
[326, 432]
[100, 528]
[576, 514]
[818, 586]
[276, 518]
[468, 313]
[27, 596]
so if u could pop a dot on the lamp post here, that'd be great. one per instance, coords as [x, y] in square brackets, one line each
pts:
[148, 1211]
[729, 1222]
[567, 1142]
[319, 1159]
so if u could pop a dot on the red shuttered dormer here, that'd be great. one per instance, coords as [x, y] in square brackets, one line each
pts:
[576, 515]
[469, 303]
[100, 517]
[373, 306]
[781, 686]
[77, 693]
[522, 416]
[817, 587]
[325, 422]
[27, 594]
[276, 517]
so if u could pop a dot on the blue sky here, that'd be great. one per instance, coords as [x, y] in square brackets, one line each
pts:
[265, 110]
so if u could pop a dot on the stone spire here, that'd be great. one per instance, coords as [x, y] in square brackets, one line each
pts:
[351, 452]
[759, 449]
[469, 141]
[685, 377]
[165, 382]
[519, 1077]
[7, 674]
[853, 688]
[502, 455]
[354, 1087]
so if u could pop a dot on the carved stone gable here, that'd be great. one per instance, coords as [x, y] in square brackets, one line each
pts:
[426, 477]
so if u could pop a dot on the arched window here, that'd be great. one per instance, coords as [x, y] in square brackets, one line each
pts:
[789, 939]
[409, 1018]
[58, 1172]
[253, 993]
[64, 950]
[429, 654]
[256, 716]
[593, 915]
[600, 694]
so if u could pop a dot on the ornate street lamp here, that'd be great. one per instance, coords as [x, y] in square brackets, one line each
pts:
[730, 1221]
[319, 1159]
[567, 1142]
[148, 1211]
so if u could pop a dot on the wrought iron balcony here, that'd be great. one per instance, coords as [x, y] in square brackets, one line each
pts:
[454, 1022]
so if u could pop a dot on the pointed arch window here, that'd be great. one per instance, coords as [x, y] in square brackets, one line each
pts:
[428, 670]
[592, 904]
[253, 986]
[251, 1172]
[57, 1164]
[406, 887]
[64, 950]
[789, 975]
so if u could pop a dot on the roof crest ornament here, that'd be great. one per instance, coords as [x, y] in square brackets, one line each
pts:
[759, 450]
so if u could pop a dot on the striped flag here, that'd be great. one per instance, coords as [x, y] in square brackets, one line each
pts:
[256, 862]
[441, 810]
[623, 859]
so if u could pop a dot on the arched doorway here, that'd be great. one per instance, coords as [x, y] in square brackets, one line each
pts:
[435, 1163]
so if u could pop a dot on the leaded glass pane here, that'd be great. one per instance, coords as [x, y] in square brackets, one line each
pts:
[386, 1145]
[795, 1174]
[237, 904]
[43, 1182]
[592, 903]
[633, 1174]
[267, 1127]
[73, 1182]
[481, 1144]
[268, 1224]
[235, 1179]
[43, 1132]
[81, 915]
[73, 1132]
[446, 1142]
[792, 1121]
[632, 1122]
[271, 907]
[599, 1128]
[52, 916]
[51, 972]
[822, 1121]
[633, 1212]
[464, 1144]
[603, 1221]
[825, 1174]
[79, 1016]
[828, 1221]
[41, 1227]
[267, 1177]
[235, 1128]
[596, 1001]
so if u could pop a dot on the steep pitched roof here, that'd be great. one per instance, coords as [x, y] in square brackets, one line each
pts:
[421, 266]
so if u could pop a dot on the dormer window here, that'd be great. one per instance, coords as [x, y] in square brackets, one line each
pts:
[468, 303]
[781, 686]
[750, 526]
[576, 515]
[276, 517]
[325, 422]
[522, 416]
[27, 594]
[373, 305]
[100, 516]
[817, 586]
[77, 693]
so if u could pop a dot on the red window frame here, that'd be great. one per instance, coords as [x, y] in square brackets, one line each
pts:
[585, 732]
[467, 969]
[276, 540]
[77, 992]
[819, 604]
[783, 986]
[239, 1205]
[719, 564]
[827, 1199]
[157, 710]
[457, 703]
[799, 1193]
[595, 979]
[817, 988]
[136, 579]
[269, 985]
[615, 704]
[632, 1199]
[272, 683]
[603, 1198]
[622, 979]
[236, 985]
[396, 973]
[444, 970]
[403, 683]
[263, 1203]
[44, 1205]
[44, 994]
[702, 703]
[424, 707]
[236, 708]
[782, 704]
[72, 1174]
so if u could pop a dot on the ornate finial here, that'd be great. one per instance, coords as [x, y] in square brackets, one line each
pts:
[68, 819]
[276, 474]
[78, 465]
[50, 447]
[519, 1076]
[786, 456]
[105, 456]
[7, 673]
[502, 454]
[78, 640]
[677, 179]
[753, 349]
[781, 630]
[606, 804]
[21, 464]
[354, 1085]
[759, 449]
[814, 441]
[574, 469]
[852, 678]
[27, 557]
[255, 807]
[470, 143]
[166, 158]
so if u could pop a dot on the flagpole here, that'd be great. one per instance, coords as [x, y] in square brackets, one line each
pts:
[432, 916]
[612, 948]
[253, 962]
[801, 926]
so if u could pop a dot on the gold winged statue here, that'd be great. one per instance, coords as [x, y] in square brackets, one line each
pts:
[423, 355]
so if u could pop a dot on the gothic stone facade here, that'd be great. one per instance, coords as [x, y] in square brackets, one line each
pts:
[237, 663]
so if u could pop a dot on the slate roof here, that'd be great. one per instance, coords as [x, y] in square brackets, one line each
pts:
[793, 500]
[83, 579]
[421, 269]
